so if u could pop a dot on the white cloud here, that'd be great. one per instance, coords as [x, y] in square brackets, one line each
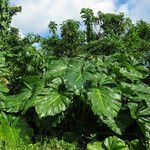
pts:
[123, 8]
[136, 9]
[36, 14]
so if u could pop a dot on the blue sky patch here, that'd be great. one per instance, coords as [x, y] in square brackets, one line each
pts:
[122, 1]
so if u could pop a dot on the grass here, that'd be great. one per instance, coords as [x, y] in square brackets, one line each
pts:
[48, 144]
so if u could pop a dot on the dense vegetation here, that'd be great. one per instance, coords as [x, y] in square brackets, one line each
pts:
[81, 90]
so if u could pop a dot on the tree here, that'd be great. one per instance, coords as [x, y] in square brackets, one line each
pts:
[112, 23]
[53, 28]
[6, 13]
[4, 17]
[13, 10]
[70, 36]
[143, 29]
[88, 16]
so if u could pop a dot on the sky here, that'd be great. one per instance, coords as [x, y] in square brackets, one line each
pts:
[36, 14]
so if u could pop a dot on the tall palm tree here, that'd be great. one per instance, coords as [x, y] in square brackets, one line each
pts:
[53, 28]
[88, 16]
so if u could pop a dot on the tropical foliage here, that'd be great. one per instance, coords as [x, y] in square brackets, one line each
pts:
[84, 90]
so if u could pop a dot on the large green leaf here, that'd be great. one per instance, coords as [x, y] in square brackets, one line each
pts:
[35, 85]
[138, 95]
[129, 67]
[131, 73]
[57, 68]
[76, 75]
[94, 145]
[119, 123]
[110, 143]
[50, 103]
[13, 129]
[31, 82]
[135, 145]
[136, 88]
[15, 103]
[114, 143]
[73, 78]
[48, 100]
[141, 113]
[113, 125]
[104, 102]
